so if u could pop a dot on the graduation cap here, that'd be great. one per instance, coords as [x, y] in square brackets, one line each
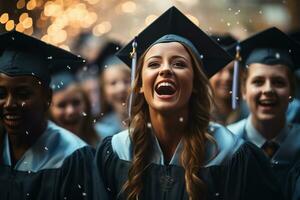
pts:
[224, 41]
[174, 26]
[107, 54]
[270, 47]
[22, 55]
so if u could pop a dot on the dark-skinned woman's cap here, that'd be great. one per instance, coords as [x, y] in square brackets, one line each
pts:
[21, 55]
[174, 26]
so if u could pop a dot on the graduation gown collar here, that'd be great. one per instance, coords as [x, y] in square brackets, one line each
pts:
[48, 152]
[227, 144]
[253, 135]
[289, 149]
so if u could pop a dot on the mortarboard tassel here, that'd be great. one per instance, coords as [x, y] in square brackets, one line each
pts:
[133, 56]
[235, 85]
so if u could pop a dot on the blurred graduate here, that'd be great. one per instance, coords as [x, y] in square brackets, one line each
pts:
[40, 159]
[268, 87]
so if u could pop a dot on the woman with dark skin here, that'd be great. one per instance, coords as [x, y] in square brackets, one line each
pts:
[38, 156]
[171, 150]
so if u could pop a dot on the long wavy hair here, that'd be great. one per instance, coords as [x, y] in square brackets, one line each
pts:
[192, 156]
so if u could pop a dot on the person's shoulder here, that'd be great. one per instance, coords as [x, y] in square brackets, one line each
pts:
[237, 128]
[227, 144]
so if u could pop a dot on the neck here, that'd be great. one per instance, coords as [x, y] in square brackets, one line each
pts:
[169, 129]
[21, 142]
[268, 129]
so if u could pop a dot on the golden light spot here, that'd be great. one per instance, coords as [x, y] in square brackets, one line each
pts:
[46, 38]
[23, 16]
[4, 18]
[21, 4]
[20, 27]
[52, 9]
[129, 7]
[59, 36]
[31, 5]
[102, 28]
[28, 31]
[193, 19]
[27, 23]
[10, 25]
[65, 47]
[150, 19]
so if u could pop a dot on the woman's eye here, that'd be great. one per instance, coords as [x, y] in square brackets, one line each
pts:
[153, 64]
[179, 64]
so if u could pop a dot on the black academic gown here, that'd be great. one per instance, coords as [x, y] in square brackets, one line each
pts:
[285, 157]
[58, 166]
[239, 172]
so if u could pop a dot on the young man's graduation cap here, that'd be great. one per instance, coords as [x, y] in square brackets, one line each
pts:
[24, 55]
[225, 40]
[270, 47]
[173, 26]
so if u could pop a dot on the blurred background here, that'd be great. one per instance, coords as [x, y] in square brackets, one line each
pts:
[81, 25]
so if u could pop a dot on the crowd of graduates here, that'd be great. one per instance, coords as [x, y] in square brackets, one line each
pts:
[174, 114]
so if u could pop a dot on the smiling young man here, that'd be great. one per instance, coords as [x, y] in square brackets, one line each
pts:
[268, 88]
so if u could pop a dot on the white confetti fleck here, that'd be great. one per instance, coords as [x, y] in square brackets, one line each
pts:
[79, 56]
[105, 66]
[68, 67]
[277, 55]
[117, 48]
[83, 61]
[83, 194]
[229, 9]
[94, 120]
[27, 194]
[32, 73]
[29, 172]
[124, 123]
[181, 119]
[230, 92]
[84, 114]
[149, 125]
[101, 114]
[260, 12]
[40, 83]
[49, 57]
[237, 98]
[46, 148]
[26, 132]
[201, 56]
[65, 198]
[12, 38]
[123, 104]
[79, 186]
[290, 50]
[85, 68]
[23, 103]
[228, 24]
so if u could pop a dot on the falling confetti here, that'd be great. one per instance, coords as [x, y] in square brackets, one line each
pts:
[46, 148]
[79, 186]
[277, 55]
[181, 119]
[23, 104]
[83, 194]
[84, 114]
[149, 125]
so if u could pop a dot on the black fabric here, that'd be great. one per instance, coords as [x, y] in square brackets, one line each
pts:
[292, 189]
[246, 175]
[173, 22]
[75, 180]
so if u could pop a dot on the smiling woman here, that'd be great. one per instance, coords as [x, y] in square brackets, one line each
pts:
[171, 150]
[37, 155]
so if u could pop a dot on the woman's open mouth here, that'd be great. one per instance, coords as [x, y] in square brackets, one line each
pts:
[165, 89]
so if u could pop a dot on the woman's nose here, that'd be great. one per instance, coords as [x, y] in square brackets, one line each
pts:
[166, 70]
